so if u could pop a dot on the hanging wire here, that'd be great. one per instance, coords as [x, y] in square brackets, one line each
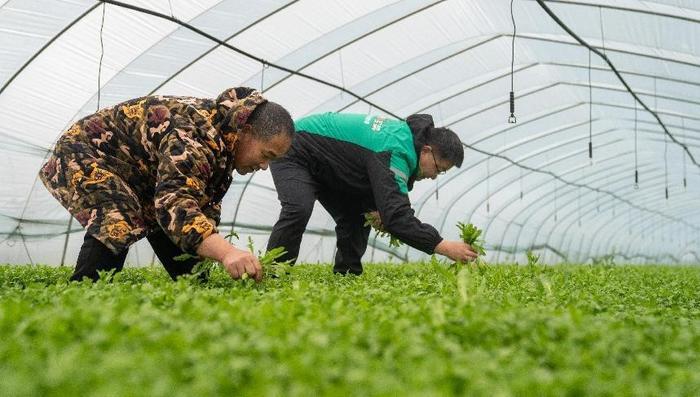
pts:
[99, 97]
[656, 109]
[102, 53]
[511, 118]
[636, 163]
[521, 183]
[170, 4]
[685, 180]
[590, 111]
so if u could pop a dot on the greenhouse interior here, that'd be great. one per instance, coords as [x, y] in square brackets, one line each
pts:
[161, 159]
[599, 158]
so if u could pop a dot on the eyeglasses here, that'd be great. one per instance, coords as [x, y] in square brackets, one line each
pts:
[439, 172]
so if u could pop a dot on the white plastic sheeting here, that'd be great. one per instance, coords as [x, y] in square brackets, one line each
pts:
[528, 185]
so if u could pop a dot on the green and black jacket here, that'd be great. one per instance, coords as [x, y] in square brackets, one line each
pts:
[372, 158]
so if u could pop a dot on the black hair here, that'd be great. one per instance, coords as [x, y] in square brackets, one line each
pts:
[269, 119]
[447, 144]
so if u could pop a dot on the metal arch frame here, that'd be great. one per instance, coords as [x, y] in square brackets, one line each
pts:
[527, 208]
[605, 246]
[597, 204]
[622, 80]
[540, 185]
[524, 36]
[459, 195]
[548, 86]
[582, 211]
[608, 243]
[514, 200]
[648, 199]
[542, 204]
[543, 184]
[521, 37]
[638, 224]
[615, 241]
[636, 207]
[573, 211]
[427, 195]
[528, 93]
[667, 59]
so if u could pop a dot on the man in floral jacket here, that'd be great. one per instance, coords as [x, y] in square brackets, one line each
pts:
[158, 167]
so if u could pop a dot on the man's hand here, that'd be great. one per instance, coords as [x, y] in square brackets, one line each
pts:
[238, 262]
[458, 251]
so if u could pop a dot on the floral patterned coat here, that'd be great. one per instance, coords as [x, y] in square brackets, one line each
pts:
[151, 162]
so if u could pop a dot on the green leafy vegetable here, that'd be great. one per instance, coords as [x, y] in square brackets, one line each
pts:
[372, 220]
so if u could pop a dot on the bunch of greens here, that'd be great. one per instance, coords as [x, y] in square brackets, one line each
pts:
[470, 234]
[373, 220]
[269, 263]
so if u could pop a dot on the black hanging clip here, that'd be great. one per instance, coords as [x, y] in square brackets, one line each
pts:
[512, 119]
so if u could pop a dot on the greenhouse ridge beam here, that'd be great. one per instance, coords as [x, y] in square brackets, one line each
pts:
[619, 76]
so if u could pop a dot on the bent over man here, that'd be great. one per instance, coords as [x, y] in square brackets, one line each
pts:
[158, 167]
[353, 164]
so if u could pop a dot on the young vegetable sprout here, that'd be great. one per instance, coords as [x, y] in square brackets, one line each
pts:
[532, 259]
[268, 261]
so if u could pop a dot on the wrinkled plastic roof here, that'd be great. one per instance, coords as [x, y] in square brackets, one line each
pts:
[529, 185]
